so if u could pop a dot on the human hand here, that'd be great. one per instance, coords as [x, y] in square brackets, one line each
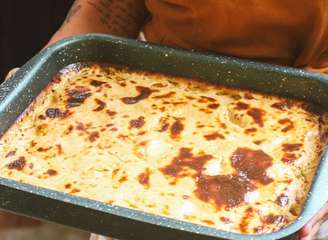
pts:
[11, 73]
[309, 231]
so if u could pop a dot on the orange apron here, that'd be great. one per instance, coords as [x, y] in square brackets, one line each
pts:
[288, 32]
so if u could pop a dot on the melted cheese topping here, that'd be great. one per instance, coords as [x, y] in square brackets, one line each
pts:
[226, 158]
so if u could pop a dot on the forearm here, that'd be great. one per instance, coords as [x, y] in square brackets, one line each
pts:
[323, 70]
[118, 17]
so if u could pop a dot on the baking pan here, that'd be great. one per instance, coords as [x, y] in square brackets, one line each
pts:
[17, 93]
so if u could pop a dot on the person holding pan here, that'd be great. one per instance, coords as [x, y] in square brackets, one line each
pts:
[291, 33]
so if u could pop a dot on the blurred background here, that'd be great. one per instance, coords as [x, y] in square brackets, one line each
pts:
[25, 27]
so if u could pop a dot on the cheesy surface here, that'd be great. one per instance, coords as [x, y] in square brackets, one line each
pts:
[226, 158]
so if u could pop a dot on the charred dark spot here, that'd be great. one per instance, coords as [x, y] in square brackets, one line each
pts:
[142, 133]
[224, 190]
[235, 96]
[258, 230]
[190, 97]
[213, 136]
[176, 129]
[278, 220]
[115, 172]
[208, 222]
[69, 129]
[205, 99]
[33, 143]
[257, 115]
[291, 147]
[133, 82]
[282, 105]
[93, 136]
[41, 117]
[252, 164]
[10, 154]
[18, 164]
[42, 149]
[111, 113]
[186, 159]
[59, 149]
[289, 124]
[55, 113]
[258, 142]
[77, 96]
[143, 178]
[174, 103]
[223, 125]
[123, 84]
[114, 129]
[96, 83]
[241, 106]
[243, 225]
[101, 105]
[80, 126]
[144, 92]
[213, 105]
[166, 95]
[248, 96]
[289, 157]
[159, 85]
[143, 143]
[137, 123]
[123, 137]
[107, 85]
[52, 172]
[68, 185]
[225, 220]
[250, 130]
[208, 111]
[164, 127]
[288, 181]
[282, 200]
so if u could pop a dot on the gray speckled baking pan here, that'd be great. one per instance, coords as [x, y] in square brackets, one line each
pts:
[17, 93]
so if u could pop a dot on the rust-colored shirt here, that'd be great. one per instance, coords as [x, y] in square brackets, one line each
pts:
[288, 32]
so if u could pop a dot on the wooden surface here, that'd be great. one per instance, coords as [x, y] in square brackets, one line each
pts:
[43, 232]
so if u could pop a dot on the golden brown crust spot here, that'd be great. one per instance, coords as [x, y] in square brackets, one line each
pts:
[176, 129]
[257, 115]
[143, 178]
[213, 136]
[18, 164]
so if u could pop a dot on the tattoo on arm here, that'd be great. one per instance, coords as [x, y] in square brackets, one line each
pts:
[116, 17]
[74, 9]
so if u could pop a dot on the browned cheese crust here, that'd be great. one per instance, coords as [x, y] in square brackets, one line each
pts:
[226, 158]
